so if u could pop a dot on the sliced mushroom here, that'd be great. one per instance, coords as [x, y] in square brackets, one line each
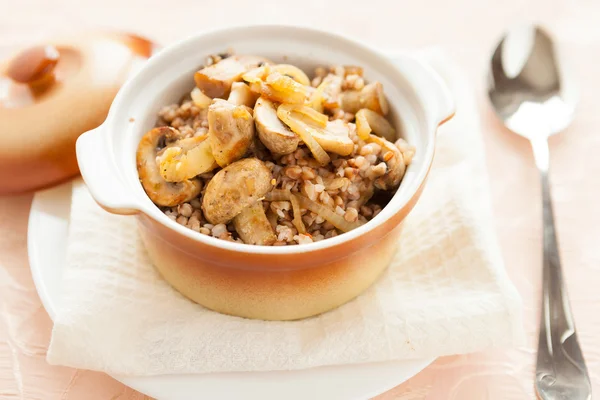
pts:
[320, 135]
[230, 131]
[368, 120]
[186, 159]
[234, 188]
[277, 137]
[161, 192]
[396, 166]
[334, 138]
[216, 80]
[294, 120]
[241, 95]
[371, 97]
[253, 226]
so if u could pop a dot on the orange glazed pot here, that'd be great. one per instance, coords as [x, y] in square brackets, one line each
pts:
[263, 282]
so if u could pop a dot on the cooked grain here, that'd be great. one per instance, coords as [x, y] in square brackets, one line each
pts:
[345, 185]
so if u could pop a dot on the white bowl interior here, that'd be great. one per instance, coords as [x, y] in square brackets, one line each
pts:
[169, 75]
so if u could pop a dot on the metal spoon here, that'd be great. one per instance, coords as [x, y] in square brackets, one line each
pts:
[533, 98]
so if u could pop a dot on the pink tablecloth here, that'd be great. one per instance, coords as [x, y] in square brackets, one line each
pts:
[467, 29]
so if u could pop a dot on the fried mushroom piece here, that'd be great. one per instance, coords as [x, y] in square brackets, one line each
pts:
[368, 121]
[161, 192]
[392, 156]
[276, 137]
[253, 226]
[241, 95]
[230, 131]
[234, 188]
[371, 97]
[334, 138]
[216, 79]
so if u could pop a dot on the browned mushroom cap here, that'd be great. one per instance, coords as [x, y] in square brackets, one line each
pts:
[230, 131]
[161, 192]
[215, 80]
[234, 188]
[276, 137]
[371, 97]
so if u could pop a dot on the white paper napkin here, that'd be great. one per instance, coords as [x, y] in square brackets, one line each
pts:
[446, 291]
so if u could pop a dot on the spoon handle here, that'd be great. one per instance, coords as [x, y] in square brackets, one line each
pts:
[561, 373]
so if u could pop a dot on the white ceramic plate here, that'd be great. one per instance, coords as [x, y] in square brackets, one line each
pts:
[47, 240]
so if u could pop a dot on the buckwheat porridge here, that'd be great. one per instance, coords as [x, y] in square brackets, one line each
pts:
[258, 153]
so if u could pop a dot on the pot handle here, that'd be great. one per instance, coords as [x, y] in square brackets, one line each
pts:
[429, 86]
[101, 174]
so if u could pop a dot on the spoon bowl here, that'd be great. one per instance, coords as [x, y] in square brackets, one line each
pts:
[531, 94]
